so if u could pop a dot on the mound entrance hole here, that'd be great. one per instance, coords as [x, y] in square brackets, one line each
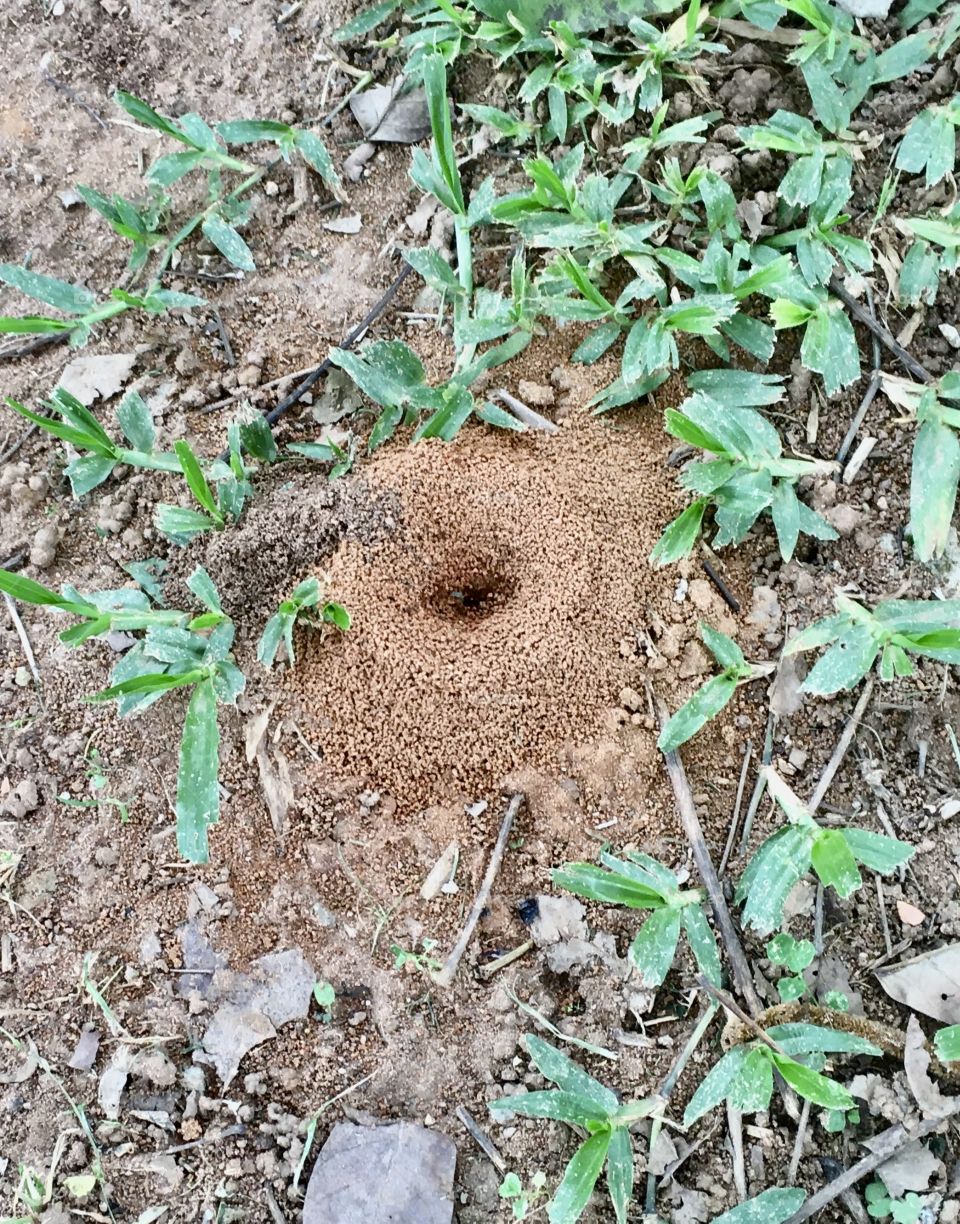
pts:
[471, 590]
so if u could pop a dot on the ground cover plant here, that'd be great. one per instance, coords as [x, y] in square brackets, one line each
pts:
[610, 223]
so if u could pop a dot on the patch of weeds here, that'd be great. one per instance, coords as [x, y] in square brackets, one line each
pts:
[748, 474]
[787, 855]
[177, 651]
[794, 955]
[744, 1075]
[583, 1102]
[98, 782]
[523, 1199]
[894, 630]
[881, 1206]
[424, 961]
[640, 882]
[279, 628]
[324, 996]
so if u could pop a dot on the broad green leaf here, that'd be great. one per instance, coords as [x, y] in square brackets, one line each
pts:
[337, 614]
[845, 664]
[934, 477]
[196, 480]
[271, 637]
[228, 242]
[724, 649]
[555, 1066]
[434, 269]
[71, 299]
[166, 171]
[595, 343]
[246, 131]
[136, 422]
[800, 1039]
[202, 585]
[145, 114]
[88, 472]
[620, 1172]
[738, 388]
[27, 591]
[198, 793]
[592, 882]
[946, 1042]
[680, 536]
[702, 942]
[179, 521]
[752, 1089]
[655, 945]
[579, 1179]
[706, 703]
[812, 1085]
[643, 869]
[388, 371]
[366, 20]
[385, 427]
[833, 861]
[771, 1207]
[820, 633]
[256, 436]
[876, 851]
[829, 347]
[716, 1085]
[314, 152]
[780, 863]
[785, 509]
[561, 1106]
[793, 954]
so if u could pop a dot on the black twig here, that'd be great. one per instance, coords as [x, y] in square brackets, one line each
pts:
[32, 346]
[64, 88]
[872, 388]
[369, 318]
[883, 334]
[728, 596]
[224, 338]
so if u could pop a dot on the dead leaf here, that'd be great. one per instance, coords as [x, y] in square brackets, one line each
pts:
[256, 729]
[338, 398]
[97, 376]
[349, 224]
[85, 1052]
[387, 115]
[277, 787]
[910, 1169]
[22, 1073]
[916, 1062]
[418, 222]
[929, 984]
[662, 1155]
[278, 989]
[113, 1081]
[784, 693]
[909, 914]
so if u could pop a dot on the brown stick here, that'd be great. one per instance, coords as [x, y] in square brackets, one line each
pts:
[449, 971]
[888, 1143]
[701, 856]
[524, 413]
[849, 731]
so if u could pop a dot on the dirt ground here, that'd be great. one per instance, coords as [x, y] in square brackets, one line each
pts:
[346, 778]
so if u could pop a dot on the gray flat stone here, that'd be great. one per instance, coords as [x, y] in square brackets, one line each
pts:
[394, 1174]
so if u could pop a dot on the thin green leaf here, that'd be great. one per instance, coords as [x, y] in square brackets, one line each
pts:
[706, 703]
[655, 945]
[229, 243]
[620, 1172]
[136, 422]
[198, 792]
[771, 1207]
[580, 1177]
[71, 299]
[555, 1066]
[812, 1085]
[196, 480]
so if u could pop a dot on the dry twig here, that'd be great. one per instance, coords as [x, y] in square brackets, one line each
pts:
[449, 971]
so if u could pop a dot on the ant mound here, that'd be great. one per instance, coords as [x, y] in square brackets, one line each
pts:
[488, 629]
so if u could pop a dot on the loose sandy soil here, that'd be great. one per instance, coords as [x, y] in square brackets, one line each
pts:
[506, 625]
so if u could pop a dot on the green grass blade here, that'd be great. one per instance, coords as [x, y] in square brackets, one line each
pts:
[573, 1193]
[71, 299]
[198, 793]
[620, 1172]
[28, 591]
[196, 480]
